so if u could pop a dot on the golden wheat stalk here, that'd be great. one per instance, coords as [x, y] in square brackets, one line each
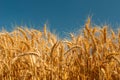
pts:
[23, 32]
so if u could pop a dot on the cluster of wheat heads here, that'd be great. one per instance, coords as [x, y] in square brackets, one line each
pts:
[29, 54]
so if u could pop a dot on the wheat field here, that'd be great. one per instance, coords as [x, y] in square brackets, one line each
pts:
[30, 54]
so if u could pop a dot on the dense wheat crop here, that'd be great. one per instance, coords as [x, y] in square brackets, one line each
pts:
[29, 54]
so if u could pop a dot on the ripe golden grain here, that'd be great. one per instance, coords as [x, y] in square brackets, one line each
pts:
[45, 30]
[23, 32]
[30, 54]
[27, 46]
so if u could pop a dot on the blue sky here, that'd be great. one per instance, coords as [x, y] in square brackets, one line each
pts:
[61, 15]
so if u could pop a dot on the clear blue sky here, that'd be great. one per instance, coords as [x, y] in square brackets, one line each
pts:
[61, 15]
